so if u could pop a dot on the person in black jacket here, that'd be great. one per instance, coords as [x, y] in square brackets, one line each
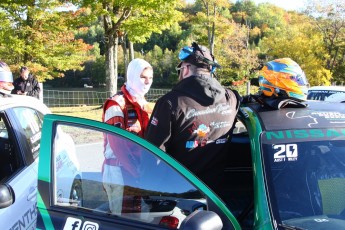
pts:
[193, 122]
[26, 84]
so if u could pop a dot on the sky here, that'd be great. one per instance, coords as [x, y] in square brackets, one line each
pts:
[285, 4]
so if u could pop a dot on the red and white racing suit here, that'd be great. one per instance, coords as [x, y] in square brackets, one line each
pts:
[121, 159]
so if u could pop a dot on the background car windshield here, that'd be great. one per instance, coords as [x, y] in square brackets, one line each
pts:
[306, 171]
[321, 95]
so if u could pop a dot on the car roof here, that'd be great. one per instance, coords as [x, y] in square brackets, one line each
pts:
[335, 88]
[317, 115]
[9, 100]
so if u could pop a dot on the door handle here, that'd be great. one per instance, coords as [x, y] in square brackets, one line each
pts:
[32, 193]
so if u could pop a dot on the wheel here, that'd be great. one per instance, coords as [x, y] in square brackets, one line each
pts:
[76, 196]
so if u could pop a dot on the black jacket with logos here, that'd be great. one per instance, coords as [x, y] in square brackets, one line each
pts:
[30, 86]
[192, 123]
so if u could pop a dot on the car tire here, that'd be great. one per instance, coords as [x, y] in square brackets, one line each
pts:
[76, 196]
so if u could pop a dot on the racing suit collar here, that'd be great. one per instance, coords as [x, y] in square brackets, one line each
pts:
[141, 101]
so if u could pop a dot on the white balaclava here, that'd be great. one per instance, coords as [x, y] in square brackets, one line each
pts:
[135, 86]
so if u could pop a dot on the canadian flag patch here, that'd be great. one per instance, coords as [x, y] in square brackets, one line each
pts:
[154, 121]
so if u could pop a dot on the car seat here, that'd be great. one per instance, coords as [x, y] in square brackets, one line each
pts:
[331, 179]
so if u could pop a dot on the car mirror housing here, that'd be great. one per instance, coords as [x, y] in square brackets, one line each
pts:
[6, 198]
[202, 220]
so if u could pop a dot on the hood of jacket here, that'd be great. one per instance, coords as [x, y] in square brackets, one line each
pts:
[203, 89]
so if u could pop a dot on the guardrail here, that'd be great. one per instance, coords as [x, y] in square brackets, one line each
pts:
[70, 98]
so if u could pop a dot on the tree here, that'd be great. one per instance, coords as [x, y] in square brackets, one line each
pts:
[132, 19]
[35, 34]
[330, 20]
[300, 41]
[208, 18]
[236, 56]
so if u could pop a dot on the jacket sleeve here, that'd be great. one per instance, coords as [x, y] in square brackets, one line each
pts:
[15, 87]
[35, 92]
[159, 128]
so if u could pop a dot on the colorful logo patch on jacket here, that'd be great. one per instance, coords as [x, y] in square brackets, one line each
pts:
[191, 144]
[202, 131]
[196, 143]
[154, 121]
[201, 138]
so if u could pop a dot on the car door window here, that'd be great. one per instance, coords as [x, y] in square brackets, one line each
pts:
[31, 123]
[113, 176]
[10, 160]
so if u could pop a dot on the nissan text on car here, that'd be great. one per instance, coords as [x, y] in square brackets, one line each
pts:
[285, 170]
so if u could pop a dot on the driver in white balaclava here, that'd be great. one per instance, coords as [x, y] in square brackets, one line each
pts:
[128, 110]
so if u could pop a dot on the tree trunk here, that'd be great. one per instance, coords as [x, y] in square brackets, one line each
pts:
[125, 55]
[131, 50]
[213, 28]
[110, 74]
[114, 78]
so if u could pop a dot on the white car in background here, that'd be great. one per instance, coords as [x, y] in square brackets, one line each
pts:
[21, 120]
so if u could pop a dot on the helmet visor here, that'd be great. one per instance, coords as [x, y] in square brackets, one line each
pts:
[301, 80]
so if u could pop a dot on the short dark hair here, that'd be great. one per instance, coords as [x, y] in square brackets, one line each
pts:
[23, 68]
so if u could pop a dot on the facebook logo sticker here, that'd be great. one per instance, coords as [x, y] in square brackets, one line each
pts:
[72, 224]
[77, 224]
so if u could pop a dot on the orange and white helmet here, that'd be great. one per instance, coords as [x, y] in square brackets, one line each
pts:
[283, 78]
[6, 77]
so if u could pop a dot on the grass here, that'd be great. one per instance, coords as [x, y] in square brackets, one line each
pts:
[89, 112]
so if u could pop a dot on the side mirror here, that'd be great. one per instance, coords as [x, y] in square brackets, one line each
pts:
[202, 220]
[6, 198]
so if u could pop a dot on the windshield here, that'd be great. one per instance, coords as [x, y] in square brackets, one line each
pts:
[321, 95]
[305, 172]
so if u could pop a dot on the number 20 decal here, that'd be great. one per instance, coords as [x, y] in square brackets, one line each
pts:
[287, 152]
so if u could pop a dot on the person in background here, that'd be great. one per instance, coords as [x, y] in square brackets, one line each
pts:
[26, 84]
[129, 110]
[194, 121]
[6, 78]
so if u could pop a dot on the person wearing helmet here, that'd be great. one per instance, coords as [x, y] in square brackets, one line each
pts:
[194, 120]
[26, 84]
[6, 78]
[283, 78]
[129, 110]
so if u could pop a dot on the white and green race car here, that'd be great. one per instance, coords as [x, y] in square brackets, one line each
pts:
[285, 170]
